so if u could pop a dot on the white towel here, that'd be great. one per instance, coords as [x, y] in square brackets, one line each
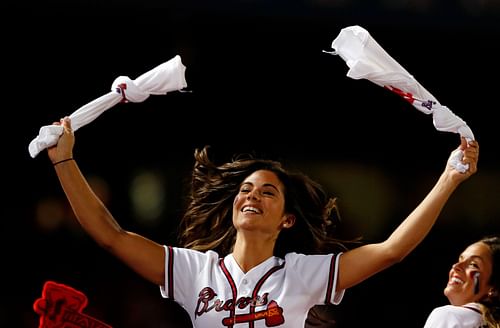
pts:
[169, 76]
[366, 59]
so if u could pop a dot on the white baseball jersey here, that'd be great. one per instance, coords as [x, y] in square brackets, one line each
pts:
[217, 293]
[452, 316]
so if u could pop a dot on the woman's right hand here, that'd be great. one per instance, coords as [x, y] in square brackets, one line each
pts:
[64, 147]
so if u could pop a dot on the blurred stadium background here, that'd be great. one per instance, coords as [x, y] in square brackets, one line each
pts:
[260, 83]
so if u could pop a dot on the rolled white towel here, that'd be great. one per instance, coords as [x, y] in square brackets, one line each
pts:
[169, 76]
[366, 59]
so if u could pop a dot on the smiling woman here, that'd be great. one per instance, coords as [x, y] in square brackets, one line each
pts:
[257, 243]
[472, 290]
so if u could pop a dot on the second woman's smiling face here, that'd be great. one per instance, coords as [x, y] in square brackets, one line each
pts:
[461, 287]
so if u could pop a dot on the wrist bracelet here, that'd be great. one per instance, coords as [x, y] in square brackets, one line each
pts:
[64, 160]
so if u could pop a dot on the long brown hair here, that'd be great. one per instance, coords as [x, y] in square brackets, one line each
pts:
[207, 222]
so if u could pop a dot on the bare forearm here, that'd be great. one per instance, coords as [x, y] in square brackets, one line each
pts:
[360, 263]
[417, 225]
[377, 257]
[88, 208]
[420, 221]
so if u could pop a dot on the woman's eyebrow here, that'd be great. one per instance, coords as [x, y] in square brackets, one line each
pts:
[472, 257]
[264, 185]
[271, 185]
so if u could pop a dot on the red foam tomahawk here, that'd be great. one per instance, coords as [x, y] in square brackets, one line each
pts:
[61, 306]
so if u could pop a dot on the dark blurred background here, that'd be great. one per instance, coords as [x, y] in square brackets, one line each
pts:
[260, 83]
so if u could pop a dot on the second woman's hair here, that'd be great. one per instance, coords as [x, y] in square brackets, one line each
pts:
[491, 303]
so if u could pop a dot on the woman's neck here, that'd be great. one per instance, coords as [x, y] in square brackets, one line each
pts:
[250, 252]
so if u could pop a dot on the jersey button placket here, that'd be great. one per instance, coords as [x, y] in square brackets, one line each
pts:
[244, 287]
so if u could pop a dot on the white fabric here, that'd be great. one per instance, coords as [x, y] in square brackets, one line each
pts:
[366, 59]
[169, 76]
[277, 292]
[451, 316]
